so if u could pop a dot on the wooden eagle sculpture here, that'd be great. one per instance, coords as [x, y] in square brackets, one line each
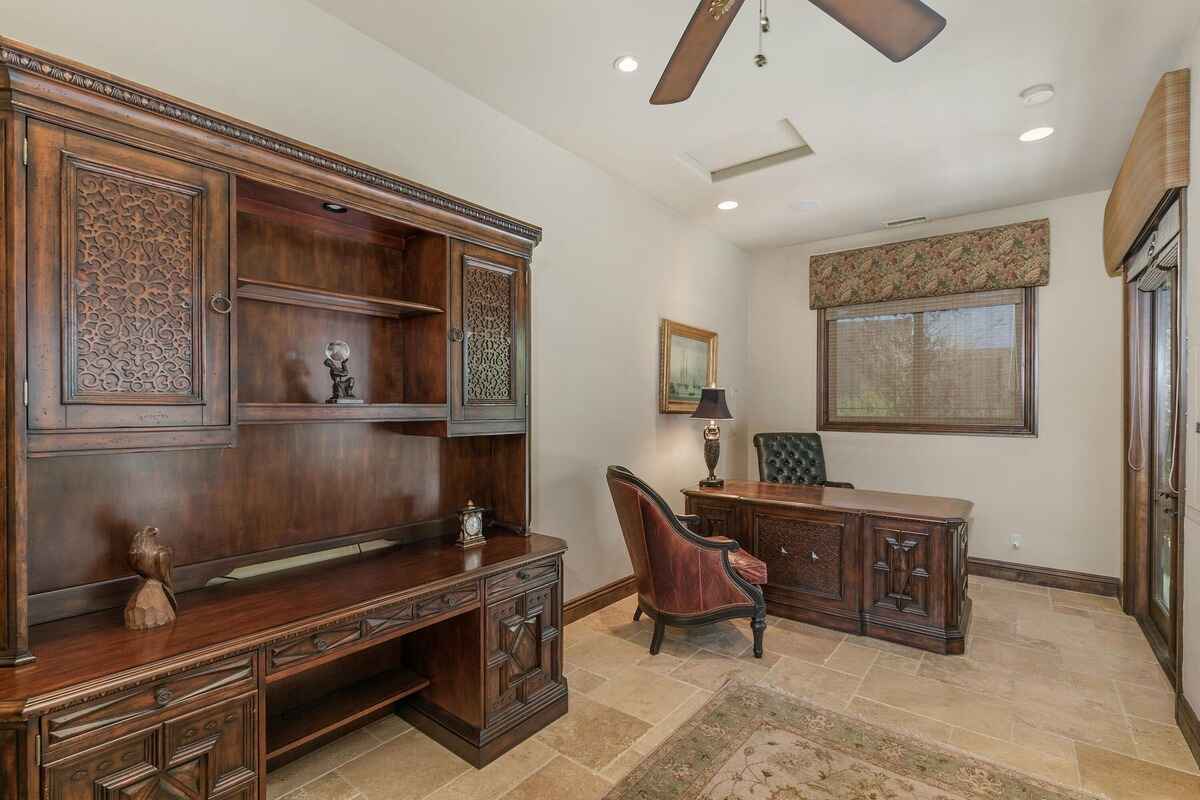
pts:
[153, 604]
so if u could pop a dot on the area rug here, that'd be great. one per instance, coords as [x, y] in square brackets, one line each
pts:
[753, 743]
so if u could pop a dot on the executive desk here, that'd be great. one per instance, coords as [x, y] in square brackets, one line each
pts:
[891, 566]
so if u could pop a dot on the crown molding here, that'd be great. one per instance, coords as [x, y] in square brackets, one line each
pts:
[44, 66]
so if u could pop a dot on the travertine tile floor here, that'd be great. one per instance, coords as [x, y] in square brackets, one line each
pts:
[1056, 684]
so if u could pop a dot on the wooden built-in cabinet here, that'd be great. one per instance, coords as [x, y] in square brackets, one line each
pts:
[172, 277]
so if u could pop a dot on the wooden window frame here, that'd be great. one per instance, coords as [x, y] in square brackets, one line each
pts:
[1029, 375]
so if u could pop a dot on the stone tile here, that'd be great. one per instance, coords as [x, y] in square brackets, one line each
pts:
[725, 638]
[710, 671]
[406, 768]
[896, 719]
[1012, 601]
[605, 655]
[1051, 766]
[662, 663]
[329, 787]
[800, 645]
[1163, 744]
[940, 701]
[593, 733]
[812, 682]
[966, 673]
[319, 762]
[1124, 645]
[883, 646]
[1115, 622]
[1120, 777]
[1038, 739]
[1099, 690]
[1060, 630]
[1157, 705]
[899, 663]
[643, 694]
[1026, 661]
[621, 765]
[663, 730]
[982, 581]
[559, 779]
[1061, 709]
[1128, 670]
[387, 728]
[578, 633]
[1082, 600]
[803, 627]
[852, 658]
[584, 681]
[1005, 632]
[501, 775]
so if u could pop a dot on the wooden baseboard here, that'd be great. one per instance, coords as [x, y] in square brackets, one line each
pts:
[1189, 723]
[580, 607]
[1045, 576]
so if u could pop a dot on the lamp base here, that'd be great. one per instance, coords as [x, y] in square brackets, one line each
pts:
[712, 483]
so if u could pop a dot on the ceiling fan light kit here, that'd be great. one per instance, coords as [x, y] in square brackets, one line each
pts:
[896, 28]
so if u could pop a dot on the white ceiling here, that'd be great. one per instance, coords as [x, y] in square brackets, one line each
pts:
[934, 136]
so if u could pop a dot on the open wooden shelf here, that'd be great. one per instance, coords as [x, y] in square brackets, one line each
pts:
[268, 413]
[308, 297]
[298, 726]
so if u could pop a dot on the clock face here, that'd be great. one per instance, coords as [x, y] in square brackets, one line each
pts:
[473, 524]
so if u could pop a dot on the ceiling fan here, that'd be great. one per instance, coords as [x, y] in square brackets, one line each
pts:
[896, 28]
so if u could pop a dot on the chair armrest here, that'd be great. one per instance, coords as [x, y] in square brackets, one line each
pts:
[692, 522]
[838, 485]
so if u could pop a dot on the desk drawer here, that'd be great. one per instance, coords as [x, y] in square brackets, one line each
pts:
[121, 711]
[808, 554]
[522, 578]
[316, 644]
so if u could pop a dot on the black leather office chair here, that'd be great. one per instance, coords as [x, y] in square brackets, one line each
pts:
[795, 458]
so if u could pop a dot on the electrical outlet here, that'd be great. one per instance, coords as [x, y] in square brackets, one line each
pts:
[1015, 539]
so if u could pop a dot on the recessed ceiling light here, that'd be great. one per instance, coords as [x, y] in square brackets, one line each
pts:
[1036, 134]
[626, 64]
[334, 208]
[727, 205]
[1037, 95]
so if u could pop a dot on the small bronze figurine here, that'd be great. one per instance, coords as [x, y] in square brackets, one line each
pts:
[153, 604]
[337, 358]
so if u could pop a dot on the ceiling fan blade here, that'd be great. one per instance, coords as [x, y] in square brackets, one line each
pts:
[695, 49]
[896, 28]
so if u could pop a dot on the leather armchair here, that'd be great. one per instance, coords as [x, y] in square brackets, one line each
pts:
[684, 579]
[794, 458]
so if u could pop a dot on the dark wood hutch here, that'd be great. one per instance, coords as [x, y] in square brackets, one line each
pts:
[171, 277]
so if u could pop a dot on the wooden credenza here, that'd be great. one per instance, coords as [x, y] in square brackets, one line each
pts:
[887, 565]
[257, 672]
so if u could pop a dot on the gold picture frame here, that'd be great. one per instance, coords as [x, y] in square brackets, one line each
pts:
[680, 360]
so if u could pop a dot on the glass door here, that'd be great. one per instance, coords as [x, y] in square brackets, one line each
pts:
[1164, 509]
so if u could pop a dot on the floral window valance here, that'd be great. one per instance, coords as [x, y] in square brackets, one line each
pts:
[1007, 257]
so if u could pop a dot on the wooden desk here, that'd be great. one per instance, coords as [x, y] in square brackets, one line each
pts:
[891, 566]
[257, 672]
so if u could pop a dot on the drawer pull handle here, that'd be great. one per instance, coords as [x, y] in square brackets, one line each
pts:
[815, 557]
[522, 575]
[783, 551]
[163, 696]
[321, 645]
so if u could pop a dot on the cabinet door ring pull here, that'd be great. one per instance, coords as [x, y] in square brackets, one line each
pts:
[220, 303]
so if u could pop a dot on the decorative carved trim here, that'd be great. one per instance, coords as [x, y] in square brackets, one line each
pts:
[45, 67]
[1045, 576]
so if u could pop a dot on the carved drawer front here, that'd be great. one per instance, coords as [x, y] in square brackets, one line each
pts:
[803, 554]
[316, 644]
[125, 710]
[902, 568]
[215, 747]
[523, 651]
[376, 623]
[114, 771]
[522, 578]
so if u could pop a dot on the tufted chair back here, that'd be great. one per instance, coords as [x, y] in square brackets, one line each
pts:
[795, 458]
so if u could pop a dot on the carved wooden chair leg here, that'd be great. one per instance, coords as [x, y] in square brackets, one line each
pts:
[758, 625]
[660, 628]
[637, 614]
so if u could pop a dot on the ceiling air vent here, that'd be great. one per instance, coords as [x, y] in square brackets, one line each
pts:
[904, 223]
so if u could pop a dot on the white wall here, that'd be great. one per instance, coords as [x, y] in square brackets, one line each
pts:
[613, 261]
[1062, 490]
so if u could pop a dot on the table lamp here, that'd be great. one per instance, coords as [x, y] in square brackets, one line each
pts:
[712, 407]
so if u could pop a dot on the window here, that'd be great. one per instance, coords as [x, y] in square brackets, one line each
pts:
[959, 364]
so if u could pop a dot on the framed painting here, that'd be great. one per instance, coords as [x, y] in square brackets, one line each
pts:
[687, 363]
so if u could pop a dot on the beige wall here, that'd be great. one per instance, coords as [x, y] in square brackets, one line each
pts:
[613, 261]
[1062, 490]
[1191, 535]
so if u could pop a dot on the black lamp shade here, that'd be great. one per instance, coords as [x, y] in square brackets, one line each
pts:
[712, 405]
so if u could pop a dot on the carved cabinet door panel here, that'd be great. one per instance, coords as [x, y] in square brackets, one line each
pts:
[904, 565]
[488, 338]
[524, 651]
[129, 269]
[719, 519]
[811, 555]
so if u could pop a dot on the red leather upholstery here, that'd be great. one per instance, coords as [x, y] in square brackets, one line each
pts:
[749, 567]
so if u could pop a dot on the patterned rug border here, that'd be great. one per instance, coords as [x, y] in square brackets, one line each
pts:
[681, 766]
